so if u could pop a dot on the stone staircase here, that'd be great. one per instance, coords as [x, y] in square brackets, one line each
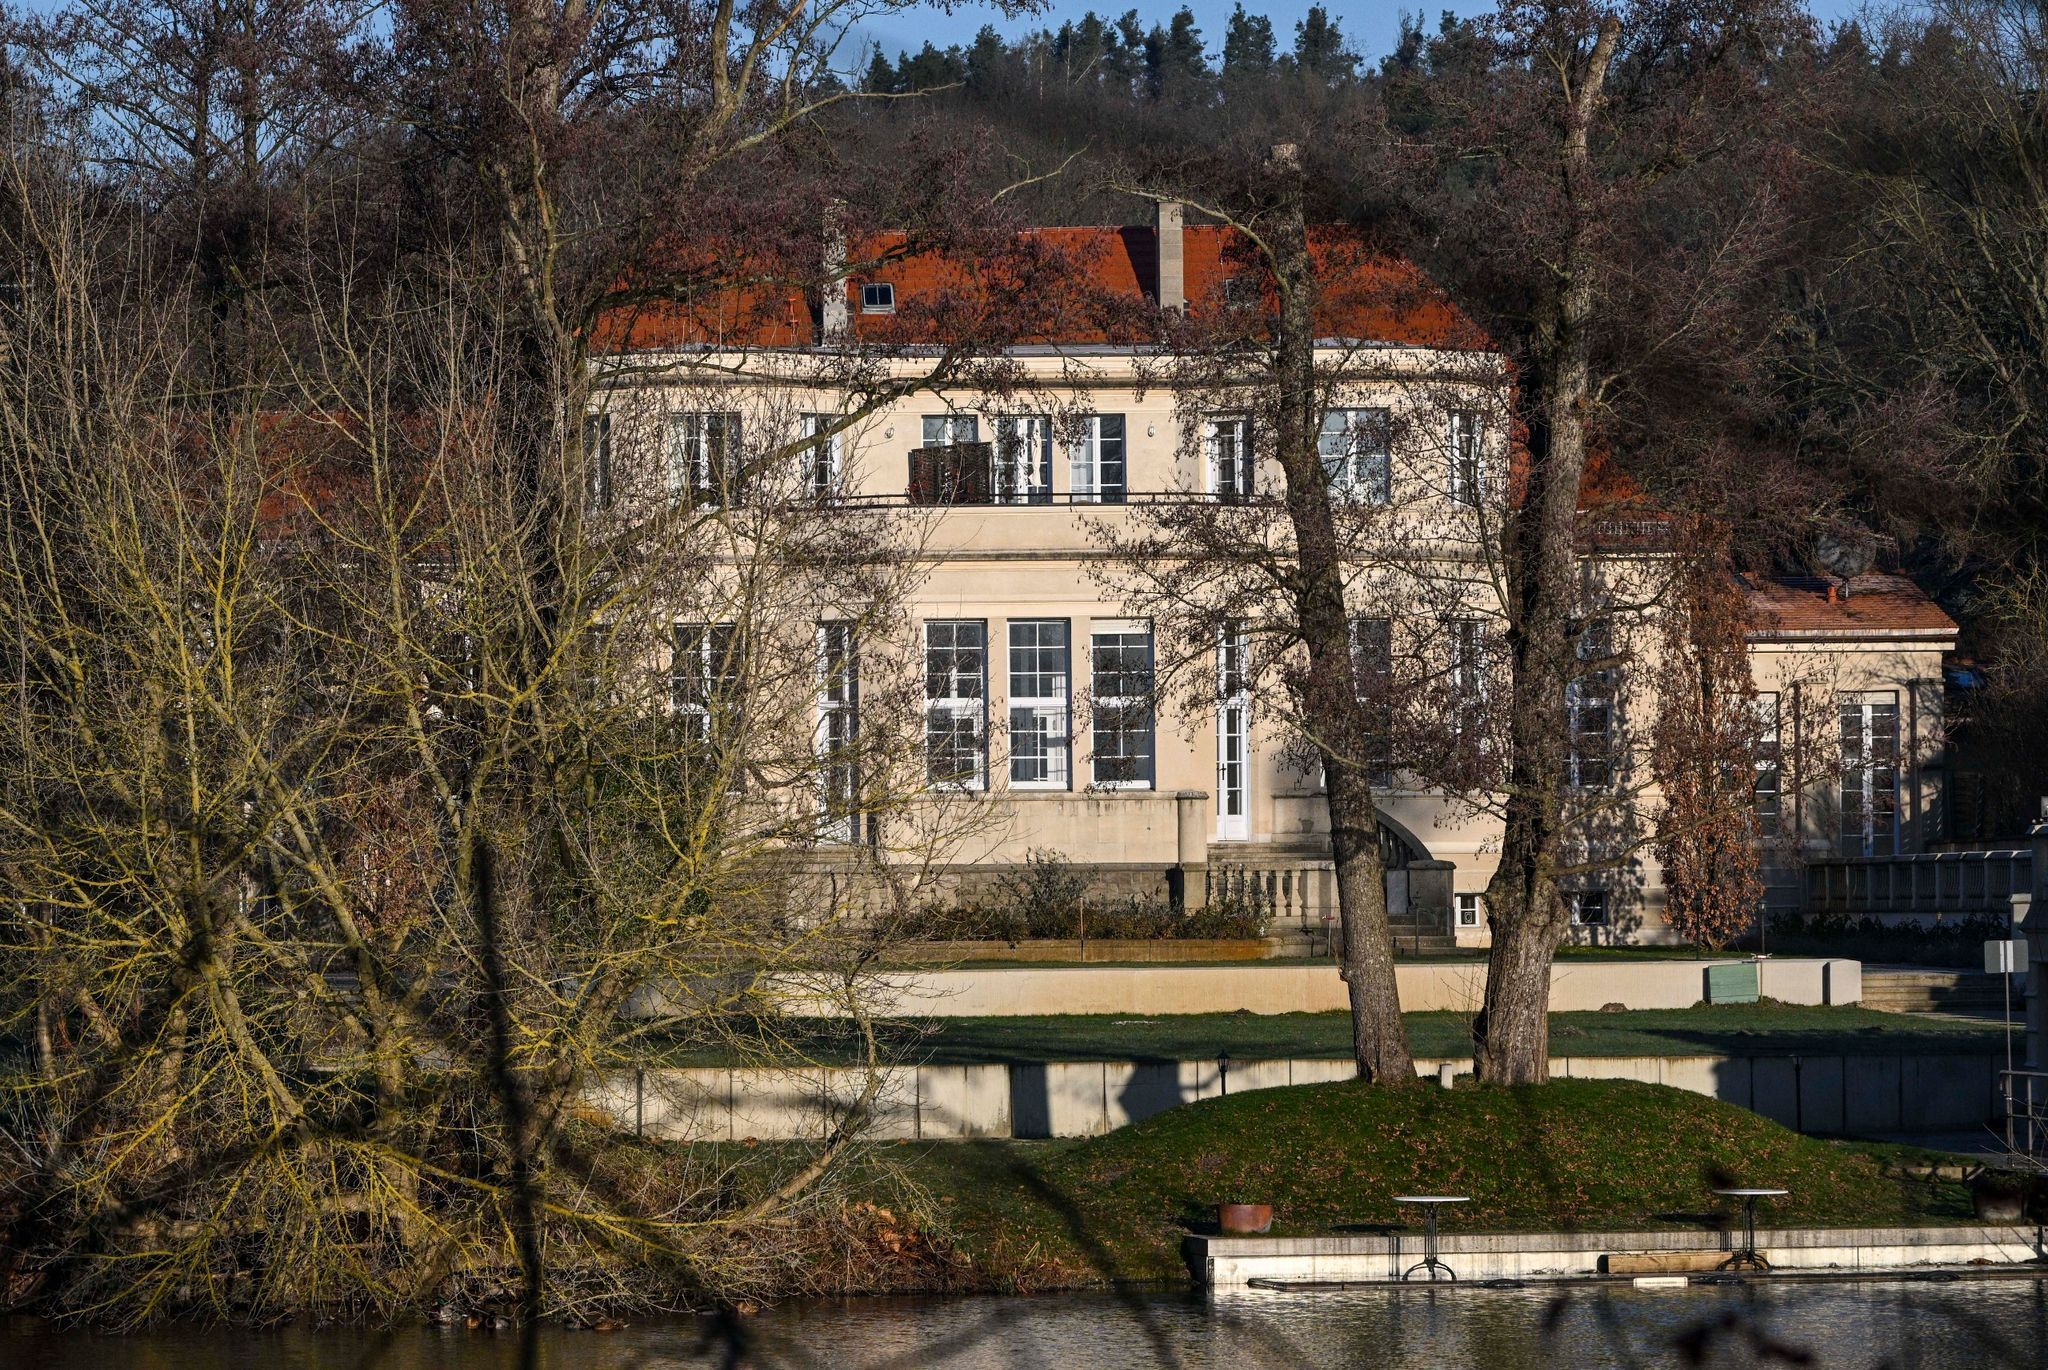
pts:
[1412, 938]
[1934, 991]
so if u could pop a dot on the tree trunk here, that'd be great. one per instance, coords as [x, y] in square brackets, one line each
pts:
[1511, 1039]
[1329, 694]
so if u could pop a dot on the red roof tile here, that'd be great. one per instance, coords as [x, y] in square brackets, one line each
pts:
[1869, 605]
[1054, 286]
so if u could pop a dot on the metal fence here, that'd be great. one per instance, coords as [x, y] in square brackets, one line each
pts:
[1930, 883]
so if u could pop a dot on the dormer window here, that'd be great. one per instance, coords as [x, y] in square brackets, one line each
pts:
[878, 297]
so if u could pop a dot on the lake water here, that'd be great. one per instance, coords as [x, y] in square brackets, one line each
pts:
[1969, 1325]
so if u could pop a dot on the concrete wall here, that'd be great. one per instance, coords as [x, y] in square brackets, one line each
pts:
[1451, 986]
[1231, 1263]
[1817, 1094]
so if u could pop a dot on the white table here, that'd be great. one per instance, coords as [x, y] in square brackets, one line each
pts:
[1747, 1256]
[1430, 1204]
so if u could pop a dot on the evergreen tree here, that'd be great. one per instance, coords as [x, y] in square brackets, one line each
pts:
[1319, 48]
[1248, 47]
[881, 77]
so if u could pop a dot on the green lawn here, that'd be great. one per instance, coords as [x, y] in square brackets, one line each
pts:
[1718, 1030]
[1575, 1154]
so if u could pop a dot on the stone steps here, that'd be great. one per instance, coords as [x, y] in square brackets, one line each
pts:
[1930, 991]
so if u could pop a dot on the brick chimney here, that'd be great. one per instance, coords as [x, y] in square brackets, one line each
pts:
[1173, 258]
[832, 311]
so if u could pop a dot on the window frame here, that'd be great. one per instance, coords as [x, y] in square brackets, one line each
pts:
[1372, 662]
[971, 708]
[1869, 706]
[1579, 898]
[1767, 786]
[824, 467]
[1122, 706]
[1590, 694]
[878, 297]
[1088, 459]
[1055, 710]
[1233, 725]
[698, 473]
[1358, 475]
[1466, 909]
[1023, 447]
[1468, 455]
[716, 676]
[839, 780]
[1240, 487]
[599, 489]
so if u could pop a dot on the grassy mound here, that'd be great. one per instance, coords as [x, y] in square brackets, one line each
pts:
[1574, 1154]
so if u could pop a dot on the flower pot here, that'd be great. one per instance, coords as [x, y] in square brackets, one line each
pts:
[1244, 1219]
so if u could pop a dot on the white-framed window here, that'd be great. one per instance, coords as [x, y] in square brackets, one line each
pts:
[1870, 773]
[945, 430]
[1095, 461]
[1590, 700]
[839, 781]
[878, 297]
[1357, 452]
[1466, 674]
[1468, 910]
[1226, 440]
[821, 456]
[597, 460]
[1233, 733]
[704, 679]
[1768, 789]
[1023, 458]
[1372, 665]
[1467, 455]
[1040, 701]
[1120, 693]
[956, 703]
[1589, 908]
[703, 458]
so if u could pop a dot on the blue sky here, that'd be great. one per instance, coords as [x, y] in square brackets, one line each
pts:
[1371, 27]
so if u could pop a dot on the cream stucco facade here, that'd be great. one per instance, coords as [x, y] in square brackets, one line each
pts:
[1028, 640]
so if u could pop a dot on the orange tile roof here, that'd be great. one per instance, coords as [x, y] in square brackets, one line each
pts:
[1053, 286]
[1870, 605]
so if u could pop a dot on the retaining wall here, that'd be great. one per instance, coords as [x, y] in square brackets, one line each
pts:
[1821, 1094]
[1233, 1262]
[1455, 986]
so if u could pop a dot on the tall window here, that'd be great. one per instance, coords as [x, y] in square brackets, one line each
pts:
[821, 456]
[1121, 662]
[1096, 461]
[839, 732]
[1465, 455]
[1039, 675]
[1467, 677]
[1357, 453]
[1870, 774]
[1233, 729]
[704, 458]
[1023, 460]
[1768, 787]
[1372, 663]
[597, 460]
[704, 679]
[1589, 707]
[1228, 440]
[956, 703]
